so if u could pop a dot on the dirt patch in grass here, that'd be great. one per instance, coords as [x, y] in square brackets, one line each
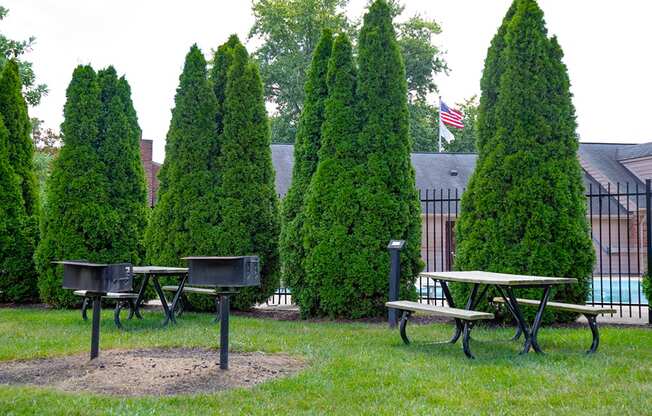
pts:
[158, 372]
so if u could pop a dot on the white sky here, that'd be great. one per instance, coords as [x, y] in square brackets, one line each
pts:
[606, 44]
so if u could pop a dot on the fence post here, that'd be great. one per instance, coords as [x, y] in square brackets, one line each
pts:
[394, 247]
[648, 226]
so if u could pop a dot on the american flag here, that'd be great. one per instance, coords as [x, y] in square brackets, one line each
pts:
[450, 117]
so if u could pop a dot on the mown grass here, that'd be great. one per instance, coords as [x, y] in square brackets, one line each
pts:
[354, 368]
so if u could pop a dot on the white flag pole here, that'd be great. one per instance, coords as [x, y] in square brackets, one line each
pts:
[439, 124]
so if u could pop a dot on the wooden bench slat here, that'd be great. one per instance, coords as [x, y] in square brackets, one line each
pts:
[190, 289]
[569, 307]
[440, 310]
[110, 295]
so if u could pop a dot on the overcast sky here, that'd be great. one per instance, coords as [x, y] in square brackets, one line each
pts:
[606, 43]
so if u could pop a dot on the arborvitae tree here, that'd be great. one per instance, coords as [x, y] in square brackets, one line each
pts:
[493, 69]
[184, 219]
[79, 220]
[335, 272]
[119, 149]
[247, 197]
[306, 146]
[218, 76]
[17, 279]
[20, 148]
[527, 213]
[389, 202]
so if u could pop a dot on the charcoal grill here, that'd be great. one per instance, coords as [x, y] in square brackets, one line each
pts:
[227, 275]
[97, 280]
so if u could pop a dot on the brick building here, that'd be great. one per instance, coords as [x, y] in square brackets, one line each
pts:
[151, 170]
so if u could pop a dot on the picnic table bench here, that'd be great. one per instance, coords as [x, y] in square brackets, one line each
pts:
[505, 284]
[590, 313]
[465, 315]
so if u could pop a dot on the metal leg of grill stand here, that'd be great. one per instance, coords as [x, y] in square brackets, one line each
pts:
[95, 335]
[224, 332]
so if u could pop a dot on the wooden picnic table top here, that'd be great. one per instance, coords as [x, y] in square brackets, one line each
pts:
[501, 279]
[159, 270]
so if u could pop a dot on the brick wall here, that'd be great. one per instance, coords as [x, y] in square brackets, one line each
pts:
[151, 170]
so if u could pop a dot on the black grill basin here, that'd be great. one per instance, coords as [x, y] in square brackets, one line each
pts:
[97, 278]
[237, 271]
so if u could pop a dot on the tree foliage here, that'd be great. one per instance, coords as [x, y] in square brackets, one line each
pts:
[330, 229]
[306, 148]
[247, 204]
[119, 150]
[78, 220]
[184, 221]
[20, 151]
[17, 278]
[290, 29]
[524, 211]
[13, 50]
[353, 262]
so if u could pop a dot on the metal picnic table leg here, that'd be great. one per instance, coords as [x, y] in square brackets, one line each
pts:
[164, 302]
[520, 319]
[459, 326]
[537, 321]
[177, 295]
[141, 296]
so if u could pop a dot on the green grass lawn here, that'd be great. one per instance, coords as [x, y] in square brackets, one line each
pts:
[353, 368]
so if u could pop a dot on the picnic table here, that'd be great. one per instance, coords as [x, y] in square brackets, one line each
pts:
[153, 273]
[505, 284]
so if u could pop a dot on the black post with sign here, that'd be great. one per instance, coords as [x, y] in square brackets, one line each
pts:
[394, 247]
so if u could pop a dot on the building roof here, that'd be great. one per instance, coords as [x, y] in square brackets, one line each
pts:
[439, 172]
[634, 151]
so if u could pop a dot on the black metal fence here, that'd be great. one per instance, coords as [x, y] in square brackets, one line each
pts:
[621, 239]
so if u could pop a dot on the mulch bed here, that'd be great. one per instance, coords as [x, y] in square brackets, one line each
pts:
[158, 372]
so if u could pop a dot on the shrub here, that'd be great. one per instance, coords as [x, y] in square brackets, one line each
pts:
[78, 221]
[306, 147]
[184, 220]
[524, 211]
[330, 229]
[21, 272]
[247, 202]
[119, 150]
[389, 201]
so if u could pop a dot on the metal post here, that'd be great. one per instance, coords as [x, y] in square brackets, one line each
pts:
[394, 248]
[95, 335]
[648, 223]
[224, 331]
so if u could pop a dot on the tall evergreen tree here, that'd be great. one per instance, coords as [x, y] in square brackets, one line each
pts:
[119, 149]
[524, 212]
[306, 147]
[493, 70]
[219, 72]
[78, 221]
[184, 219]
[16, 250]
[247, 197]
[390, 207]
[20, 148]
[334, 272]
